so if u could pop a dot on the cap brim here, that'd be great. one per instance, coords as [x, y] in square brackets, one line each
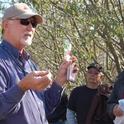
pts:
[39, 18]
[94, 67]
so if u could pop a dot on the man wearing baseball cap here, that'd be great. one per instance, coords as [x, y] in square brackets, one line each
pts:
[26, 93]
[21, 11]
[95, 65]
[83, 105]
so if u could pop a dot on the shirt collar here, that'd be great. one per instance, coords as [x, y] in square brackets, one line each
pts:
[14, 51]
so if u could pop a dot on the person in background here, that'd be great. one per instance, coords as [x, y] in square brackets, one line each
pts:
[87, 103]
[27, 94]
[114, 109]
[58, 116]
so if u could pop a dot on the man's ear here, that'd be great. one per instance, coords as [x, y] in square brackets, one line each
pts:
[4, 24]
[102, 76]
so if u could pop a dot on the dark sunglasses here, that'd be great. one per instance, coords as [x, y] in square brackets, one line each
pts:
[26, 22]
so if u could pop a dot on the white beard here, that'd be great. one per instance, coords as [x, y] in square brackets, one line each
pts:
[27, 41]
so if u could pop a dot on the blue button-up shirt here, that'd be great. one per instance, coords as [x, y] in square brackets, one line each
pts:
[17, 106]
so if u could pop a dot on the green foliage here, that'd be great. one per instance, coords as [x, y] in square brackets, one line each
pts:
[95, 28]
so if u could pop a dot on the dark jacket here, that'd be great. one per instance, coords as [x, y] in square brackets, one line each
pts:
[98, 110]
[117, 93]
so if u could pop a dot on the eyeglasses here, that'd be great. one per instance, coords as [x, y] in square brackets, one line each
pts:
[26, 22]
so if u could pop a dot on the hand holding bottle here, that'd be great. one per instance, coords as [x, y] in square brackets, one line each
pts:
[71, 70]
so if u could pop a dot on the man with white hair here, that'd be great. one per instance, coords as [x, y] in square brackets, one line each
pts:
[24, 94]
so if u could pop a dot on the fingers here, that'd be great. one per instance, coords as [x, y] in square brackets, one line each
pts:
[61, 76]
[36, 80]
[74, 58]
[76, 69]
[66, 63]
[40, 73]
[43, 76]
[42, 82]
[117, 111]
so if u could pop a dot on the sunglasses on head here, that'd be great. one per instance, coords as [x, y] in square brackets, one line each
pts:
[26, 22]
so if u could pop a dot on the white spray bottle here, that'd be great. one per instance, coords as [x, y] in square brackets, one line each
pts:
[71, 75]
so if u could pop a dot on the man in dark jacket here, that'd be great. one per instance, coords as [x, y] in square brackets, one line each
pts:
[87, 103]
[117, 94]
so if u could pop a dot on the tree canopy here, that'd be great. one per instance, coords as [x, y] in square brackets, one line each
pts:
[94, 27]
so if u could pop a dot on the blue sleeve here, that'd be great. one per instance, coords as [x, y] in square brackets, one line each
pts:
[52, 97]
[9, 97]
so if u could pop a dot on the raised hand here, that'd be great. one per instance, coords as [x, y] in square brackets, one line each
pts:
[37, 80]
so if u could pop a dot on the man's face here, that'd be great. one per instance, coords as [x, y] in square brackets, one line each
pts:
[93, 76]
[20, 32]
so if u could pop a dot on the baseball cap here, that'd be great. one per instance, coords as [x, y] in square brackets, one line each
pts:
[21, 11]
[96, 66]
